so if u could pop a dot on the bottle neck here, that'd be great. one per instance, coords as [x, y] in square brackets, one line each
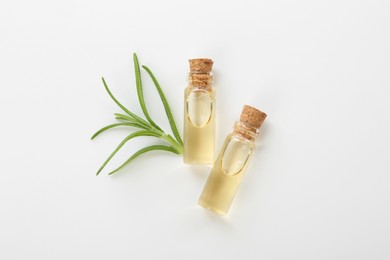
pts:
[245, 131]
[202, 81]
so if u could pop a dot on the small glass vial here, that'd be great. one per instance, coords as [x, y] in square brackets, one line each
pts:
[199, 114]
[232, 162]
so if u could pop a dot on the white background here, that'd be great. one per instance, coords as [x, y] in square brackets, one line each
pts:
[318, 187]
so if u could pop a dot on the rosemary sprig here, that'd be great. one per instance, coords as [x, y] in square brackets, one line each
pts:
[146, 127]
[166, 105]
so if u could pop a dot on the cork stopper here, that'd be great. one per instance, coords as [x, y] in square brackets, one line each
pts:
[200, 77]
[252, 117]
[202, 81]
[203, 65]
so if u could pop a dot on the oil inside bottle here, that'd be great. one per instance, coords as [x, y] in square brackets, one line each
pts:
[199, 107]
[199, 114]
[232, 162]
[226, 175]
[236, 155]
[199, 126]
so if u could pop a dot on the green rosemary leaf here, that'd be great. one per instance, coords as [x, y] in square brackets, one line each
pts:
[132, 120]
[134, 124]
[145, 150]
[129, 137]
[141, 100]
[166, 105]
[124, 117]
[119, 104]
[112, 126]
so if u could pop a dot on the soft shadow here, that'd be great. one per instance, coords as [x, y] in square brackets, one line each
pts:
[211, 217]
[199, 171]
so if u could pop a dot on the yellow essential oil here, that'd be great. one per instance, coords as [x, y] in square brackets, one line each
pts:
[232, 162]
[199, 114]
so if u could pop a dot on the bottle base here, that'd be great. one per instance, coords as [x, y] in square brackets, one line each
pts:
[195, 162]
[211, 208]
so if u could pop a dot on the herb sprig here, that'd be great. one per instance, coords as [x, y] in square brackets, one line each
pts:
[145, 127]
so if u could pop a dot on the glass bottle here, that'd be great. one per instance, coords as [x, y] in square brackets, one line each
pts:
[199, 114]
[232, 162]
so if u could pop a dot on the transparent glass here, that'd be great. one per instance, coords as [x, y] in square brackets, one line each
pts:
[227, 173]
[199, 126]
[199, 107]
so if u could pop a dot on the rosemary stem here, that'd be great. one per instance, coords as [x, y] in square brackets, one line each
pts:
[173, 142]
